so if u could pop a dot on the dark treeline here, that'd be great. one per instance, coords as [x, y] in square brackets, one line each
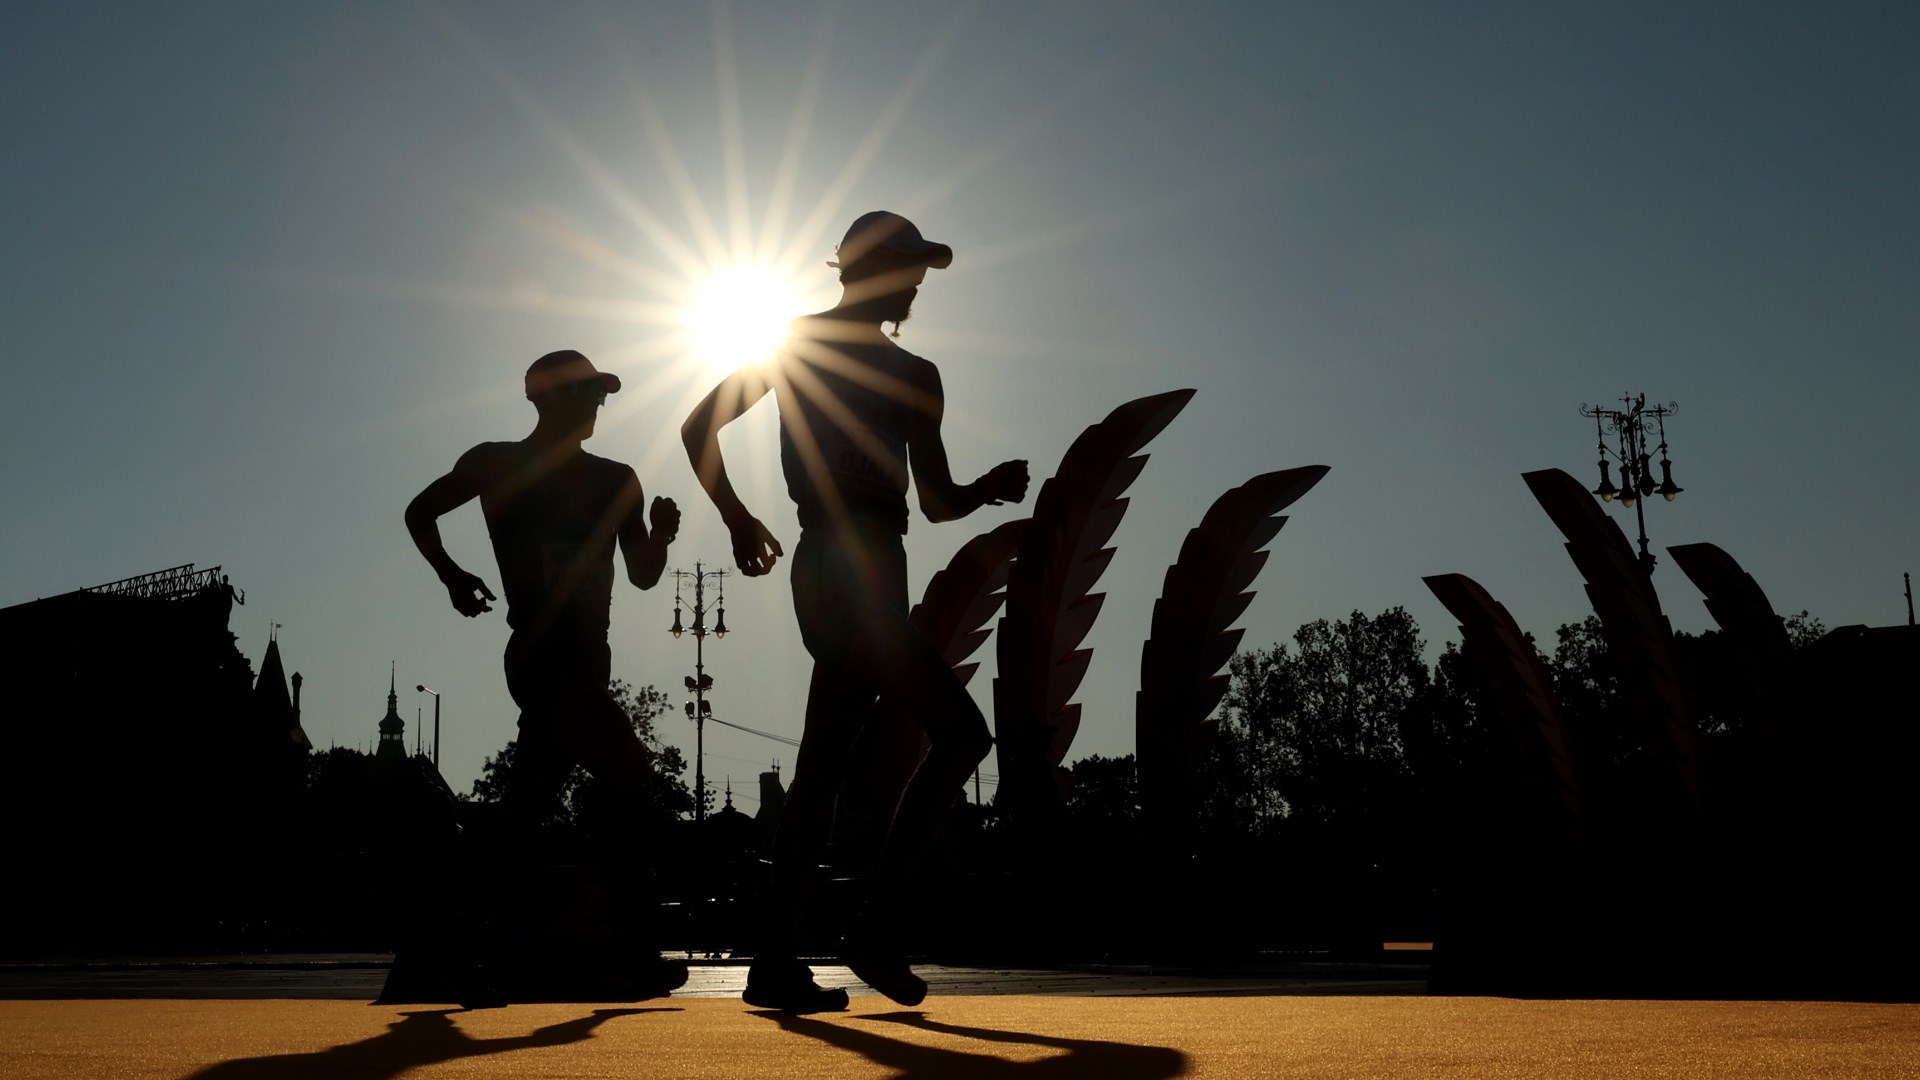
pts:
[394, 831]
[579, 811]
[1350, 784]
[1349, 780]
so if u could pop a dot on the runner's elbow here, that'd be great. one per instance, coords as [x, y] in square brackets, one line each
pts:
[938, 507]
[698, 430]
[417, 515]
[939, 510]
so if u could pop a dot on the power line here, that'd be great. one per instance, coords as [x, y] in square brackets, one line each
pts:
[756, 762]
[755, 731]
[985, 778]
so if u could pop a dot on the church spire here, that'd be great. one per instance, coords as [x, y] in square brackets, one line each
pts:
[393, 730]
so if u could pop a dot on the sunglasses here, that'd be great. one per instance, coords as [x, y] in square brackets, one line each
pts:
[585, 391]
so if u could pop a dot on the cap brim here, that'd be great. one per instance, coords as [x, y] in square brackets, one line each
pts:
[605, 380]
[926, 253]
[937, 256]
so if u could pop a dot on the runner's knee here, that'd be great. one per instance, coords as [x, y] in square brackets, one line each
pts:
[962, 737]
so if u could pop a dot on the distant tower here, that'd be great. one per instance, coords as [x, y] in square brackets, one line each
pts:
[279, 714]
[773, 805]
[393, 730]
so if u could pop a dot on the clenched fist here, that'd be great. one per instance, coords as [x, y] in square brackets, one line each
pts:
[1005, 482]
[663, 519]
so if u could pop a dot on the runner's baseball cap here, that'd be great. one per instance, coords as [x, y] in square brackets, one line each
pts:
[565, 368]
[884, 230]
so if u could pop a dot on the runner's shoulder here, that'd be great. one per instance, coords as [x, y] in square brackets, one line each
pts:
[920, 371]
[616, 472]
[490, 457]
[608, 464]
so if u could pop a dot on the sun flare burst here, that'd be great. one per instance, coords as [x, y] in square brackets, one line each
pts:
[739, 316]
[694, 299]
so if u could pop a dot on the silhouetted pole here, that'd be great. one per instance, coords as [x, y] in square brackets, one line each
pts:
[1629, 428]
[436, 721]
[699, 683]
[1908, 578]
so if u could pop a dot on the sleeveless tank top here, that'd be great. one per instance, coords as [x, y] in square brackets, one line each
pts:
[844, 422]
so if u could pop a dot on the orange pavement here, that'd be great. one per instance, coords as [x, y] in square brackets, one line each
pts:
[1106, 1038]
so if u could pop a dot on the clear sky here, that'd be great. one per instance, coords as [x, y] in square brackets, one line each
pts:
[268, 268]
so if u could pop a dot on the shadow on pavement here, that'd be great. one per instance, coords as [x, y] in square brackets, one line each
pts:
[416, 1039]
[1083, 1057]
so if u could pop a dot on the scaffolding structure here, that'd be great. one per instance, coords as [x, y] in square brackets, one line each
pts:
[173, 583]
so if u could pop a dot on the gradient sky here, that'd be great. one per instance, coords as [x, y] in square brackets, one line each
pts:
[266, 269]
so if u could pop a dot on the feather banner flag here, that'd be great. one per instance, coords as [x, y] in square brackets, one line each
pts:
[1191, 640]
[1049, 606]
[953, 614]
[1638, 633]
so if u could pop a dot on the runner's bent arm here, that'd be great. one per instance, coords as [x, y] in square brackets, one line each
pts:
[450, 492]
[645, 551]
[940, 498]
[754, 548]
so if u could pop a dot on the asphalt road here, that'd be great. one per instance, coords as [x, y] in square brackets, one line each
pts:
[1012, 1035]
[259, 1017]
[359, 977]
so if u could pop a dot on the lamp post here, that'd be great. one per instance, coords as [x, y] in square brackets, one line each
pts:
[1629, 427]
[700, 682]
[421, 687]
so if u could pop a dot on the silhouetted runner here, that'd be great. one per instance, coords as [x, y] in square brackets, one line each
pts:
[855, 411]
[555, 514]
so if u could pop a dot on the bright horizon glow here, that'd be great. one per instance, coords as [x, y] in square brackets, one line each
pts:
[740, 316]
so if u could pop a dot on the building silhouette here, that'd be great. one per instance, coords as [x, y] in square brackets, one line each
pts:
[773, 803]
[277, 699]
[161, 778]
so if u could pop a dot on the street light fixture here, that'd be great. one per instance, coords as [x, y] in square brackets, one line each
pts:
[700, 709]
[1629, 427]
[421, 687]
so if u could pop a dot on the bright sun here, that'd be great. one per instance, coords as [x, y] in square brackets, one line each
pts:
[740, 316]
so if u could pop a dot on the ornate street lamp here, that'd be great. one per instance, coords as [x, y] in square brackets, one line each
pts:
[700, 710]
[1629, 427]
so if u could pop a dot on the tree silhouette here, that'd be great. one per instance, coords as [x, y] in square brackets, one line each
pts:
[1312, 735]
[1310, 772]
[1105, 792]
[580, 805]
